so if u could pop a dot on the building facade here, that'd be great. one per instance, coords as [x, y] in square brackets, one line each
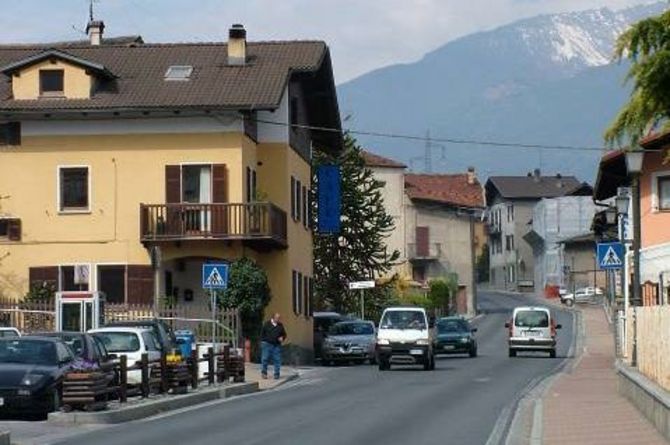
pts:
[510, 204]
[195, 152]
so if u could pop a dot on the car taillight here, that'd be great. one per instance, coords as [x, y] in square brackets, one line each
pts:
[553, 328]
[510, 328]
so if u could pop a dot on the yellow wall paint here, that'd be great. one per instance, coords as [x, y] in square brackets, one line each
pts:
[76, 83]
[127, 170]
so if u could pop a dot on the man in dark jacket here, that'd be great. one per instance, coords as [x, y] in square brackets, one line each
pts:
[273, 335]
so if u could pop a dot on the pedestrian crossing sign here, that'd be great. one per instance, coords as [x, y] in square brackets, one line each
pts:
[610, 255]
[215, 276]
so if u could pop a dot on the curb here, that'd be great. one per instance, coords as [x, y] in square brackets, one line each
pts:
[151, 408]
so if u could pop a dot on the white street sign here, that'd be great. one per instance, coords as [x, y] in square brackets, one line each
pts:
[361, 285]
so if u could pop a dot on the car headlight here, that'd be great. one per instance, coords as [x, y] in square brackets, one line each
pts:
[465, 339]
[423, 342]
[31, 379]
[383, 341]
[23, 392]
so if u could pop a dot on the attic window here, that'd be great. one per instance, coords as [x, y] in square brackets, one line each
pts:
[51, 82]
[178, 72]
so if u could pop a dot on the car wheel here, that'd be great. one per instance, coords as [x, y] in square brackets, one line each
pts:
[473, 352]
[512, 353]
[552, 353]
[569, 302]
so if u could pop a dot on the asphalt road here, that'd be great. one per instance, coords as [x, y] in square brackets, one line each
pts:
[458, 403]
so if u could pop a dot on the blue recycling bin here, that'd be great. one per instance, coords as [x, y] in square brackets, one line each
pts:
[185, 341]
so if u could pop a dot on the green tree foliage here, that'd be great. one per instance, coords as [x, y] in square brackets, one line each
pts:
[248, 292]
[442, 292]
[647, 45]
[359, 251]
[483, 265]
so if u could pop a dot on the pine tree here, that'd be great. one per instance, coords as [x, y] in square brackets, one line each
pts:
[647, 45]
[359, 251]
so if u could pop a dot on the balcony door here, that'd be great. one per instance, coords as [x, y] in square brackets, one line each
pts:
[196, 188]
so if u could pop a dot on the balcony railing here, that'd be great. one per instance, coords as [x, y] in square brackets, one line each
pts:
[430, 252]
[494, 228]
[258, 222]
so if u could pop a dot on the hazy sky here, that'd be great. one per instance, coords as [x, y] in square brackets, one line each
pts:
[363, 34]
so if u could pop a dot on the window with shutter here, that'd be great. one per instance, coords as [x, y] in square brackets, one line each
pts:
[304, 207]
[248, 184]
[140, 282]
[73, 186]
[10, 228]
[300, 290]
[43, 276]
[172, 184]
[305, 293]
[294, 291]
[298, 201]
[293, 197]
[10, 133]
[219, 183]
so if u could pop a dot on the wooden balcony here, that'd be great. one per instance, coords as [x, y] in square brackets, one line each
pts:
[424, 252]
[261, 225]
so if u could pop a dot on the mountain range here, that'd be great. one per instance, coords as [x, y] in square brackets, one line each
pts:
[549, 80]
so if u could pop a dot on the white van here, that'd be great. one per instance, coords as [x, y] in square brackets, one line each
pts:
[404, 337]
[532, 328]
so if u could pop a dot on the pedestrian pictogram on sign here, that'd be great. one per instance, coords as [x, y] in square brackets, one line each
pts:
[610, 255]
[214, 276]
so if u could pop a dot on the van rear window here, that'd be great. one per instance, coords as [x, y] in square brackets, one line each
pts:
[532, 319]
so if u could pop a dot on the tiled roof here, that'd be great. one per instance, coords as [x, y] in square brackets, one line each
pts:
[446, 189]
[140, 70]
[656, 140]
[531, 187]
[373, 160]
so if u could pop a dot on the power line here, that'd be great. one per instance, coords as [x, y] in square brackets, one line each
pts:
[430, 139]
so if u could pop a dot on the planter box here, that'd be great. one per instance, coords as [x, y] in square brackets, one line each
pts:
[88, 391]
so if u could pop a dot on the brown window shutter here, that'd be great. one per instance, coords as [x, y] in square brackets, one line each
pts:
[422, 241]
[219, 183]
[140, 284]
[40, 276]
[172, 184]
[14, 230]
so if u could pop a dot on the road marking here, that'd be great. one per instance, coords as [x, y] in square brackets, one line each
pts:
[482, 380]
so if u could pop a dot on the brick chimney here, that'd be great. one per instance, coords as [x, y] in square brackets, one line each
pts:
[472, 176]
[237, 45]
[94, 30]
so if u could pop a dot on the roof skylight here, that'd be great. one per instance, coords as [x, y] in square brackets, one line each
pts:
[178, 72]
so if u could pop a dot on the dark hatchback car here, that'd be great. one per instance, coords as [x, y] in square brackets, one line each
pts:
[31, 374]
[454, 335]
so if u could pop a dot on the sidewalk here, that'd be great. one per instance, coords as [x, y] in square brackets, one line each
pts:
[252, 373]
[584, 406]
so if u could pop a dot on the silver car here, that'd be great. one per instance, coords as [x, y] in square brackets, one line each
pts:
[349, 341]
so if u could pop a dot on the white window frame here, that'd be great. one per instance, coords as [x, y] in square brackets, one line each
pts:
[92, 275]
[196, 163]
[655, 192]
[89, 175]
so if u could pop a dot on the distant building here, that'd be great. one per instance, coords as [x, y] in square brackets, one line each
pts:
[554, 221]
[510, 203]
[438, 224]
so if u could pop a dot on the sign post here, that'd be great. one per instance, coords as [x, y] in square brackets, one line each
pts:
[362, 285]
[214, 276]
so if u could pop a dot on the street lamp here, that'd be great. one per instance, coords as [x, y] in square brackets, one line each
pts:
[622, 203]
[634, 159]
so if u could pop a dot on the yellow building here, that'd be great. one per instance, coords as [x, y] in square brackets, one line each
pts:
[109, 149]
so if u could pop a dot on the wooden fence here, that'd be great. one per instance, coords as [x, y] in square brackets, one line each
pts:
[31, 317]
[653, 342]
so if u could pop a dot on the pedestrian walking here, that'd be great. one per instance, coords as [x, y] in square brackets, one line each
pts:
[273, 335]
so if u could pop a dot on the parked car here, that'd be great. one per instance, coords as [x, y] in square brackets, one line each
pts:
[31, 374]
[322, 323]
[161, 330]
[9, 333]
[404, 337]
[131, 342]
[455, 336]
[85, 346]
[582, 295]
[532, 329]
[350, 341]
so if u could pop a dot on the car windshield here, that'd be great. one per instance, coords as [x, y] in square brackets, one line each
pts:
[119, 341]
[532, 319]
[76, 342]
[444, 326]
[33, 352]
[403, 320]
[352, 329]
[8, 334]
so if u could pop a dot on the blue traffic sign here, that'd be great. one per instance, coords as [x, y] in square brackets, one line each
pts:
[610, 255]
[215, 276]
[329, 198]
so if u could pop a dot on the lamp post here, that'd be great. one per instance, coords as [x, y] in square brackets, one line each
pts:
[634, 159]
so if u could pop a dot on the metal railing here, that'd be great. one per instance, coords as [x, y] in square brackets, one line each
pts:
[244, 221]
[431, 251]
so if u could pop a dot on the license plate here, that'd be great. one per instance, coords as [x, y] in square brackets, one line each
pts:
[345, 351]
[416, 352]
[448, 347]
[532, 334]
